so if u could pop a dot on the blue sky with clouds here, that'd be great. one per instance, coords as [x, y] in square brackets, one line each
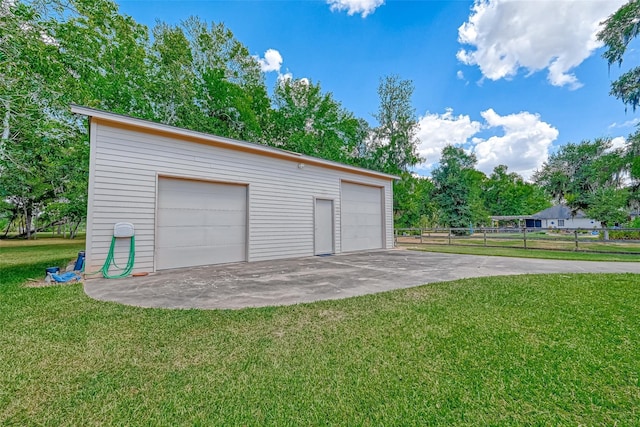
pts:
[511, 80]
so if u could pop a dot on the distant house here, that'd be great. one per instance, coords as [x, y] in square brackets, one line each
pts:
[560, 216]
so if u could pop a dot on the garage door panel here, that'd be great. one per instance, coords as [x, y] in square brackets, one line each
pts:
[200, 223]
[369, 206]
[198, 200]
[201, 236]
[178, 257]
[199, 195]
[197, 218]
[361, 216]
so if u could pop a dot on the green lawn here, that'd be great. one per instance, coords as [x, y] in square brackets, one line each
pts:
[523, 253]
[535, 240]
[526, 350]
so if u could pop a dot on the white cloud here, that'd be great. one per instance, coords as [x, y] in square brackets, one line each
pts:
[439, 130]
[523, 147]
[627, 124]
[363, 7]
[272, 61]
[556, 35]
[618, 142]
[288, 78]
[282, 78]
[460, 75]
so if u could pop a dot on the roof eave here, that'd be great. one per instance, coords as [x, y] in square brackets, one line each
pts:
[226, 142]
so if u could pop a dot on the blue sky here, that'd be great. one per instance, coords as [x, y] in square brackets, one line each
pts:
[510, 80]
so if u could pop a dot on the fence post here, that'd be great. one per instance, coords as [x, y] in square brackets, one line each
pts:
[575, 234]
[421, 233]
[484, 235]
[449, 235]
[524, 233]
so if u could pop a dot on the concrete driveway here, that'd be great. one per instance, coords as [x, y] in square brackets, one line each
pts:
[292, 281]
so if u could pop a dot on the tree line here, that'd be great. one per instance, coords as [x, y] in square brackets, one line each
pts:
[198, 76]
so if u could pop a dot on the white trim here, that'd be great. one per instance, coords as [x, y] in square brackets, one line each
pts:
[93, 131]
[247, 224]
[201, 179]
[155, 224]
[383, 216]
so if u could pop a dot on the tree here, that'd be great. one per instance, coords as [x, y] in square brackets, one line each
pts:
[412, 204]
[171, 76]
[307, 121]
[231, 91]
[507, 193]
[27, 58]
[394, 145]
[588, 177]
[105, 57]
[619, 29]
[608, 206]
[206, 80]
[457, 189]
[54, 53]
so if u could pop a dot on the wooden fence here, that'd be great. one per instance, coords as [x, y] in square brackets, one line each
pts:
[620, 240]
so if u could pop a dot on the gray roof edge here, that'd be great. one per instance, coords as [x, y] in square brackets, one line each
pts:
[231, 143]
[558, 212]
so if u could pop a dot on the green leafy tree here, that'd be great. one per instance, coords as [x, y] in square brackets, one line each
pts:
[54, 53]
[632, 160]
[608, 206]
[105, 55]
[412, 203]
[28, 57]
[458, 189]
[619, 29]
[31, 170]
[231, 93]
[307, 121]
[393, 147]
[206, 80]
[506, 193]
[588, 177]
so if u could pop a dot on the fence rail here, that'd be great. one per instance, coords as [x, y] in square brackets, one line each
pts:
[619, 240]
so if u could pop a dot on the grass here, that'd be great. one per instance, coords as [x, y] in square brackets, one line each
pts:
[536, 240]
[537, 349]
[24, 259]
[524, 253]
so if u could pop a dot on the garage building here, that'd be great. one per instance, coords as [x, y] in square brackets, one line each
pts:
[199, 199]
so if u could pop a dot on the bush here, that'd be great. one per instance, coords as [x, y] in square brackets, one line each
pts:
[635, 223]
[624, 234]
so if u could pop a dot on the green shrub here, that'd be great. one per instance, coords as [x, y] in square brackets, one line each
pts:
[624, 234]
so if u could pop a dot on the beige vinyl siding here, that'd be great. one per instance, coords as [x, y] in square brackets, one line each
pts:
[126, 164]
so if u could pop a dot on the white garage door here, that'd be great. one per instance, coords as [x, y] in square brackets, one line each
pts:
[200, 223]
[361, 217]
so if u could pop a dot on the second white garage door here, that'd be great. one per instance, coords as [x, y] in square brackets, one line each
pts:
[361, 217]
[200, 223]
